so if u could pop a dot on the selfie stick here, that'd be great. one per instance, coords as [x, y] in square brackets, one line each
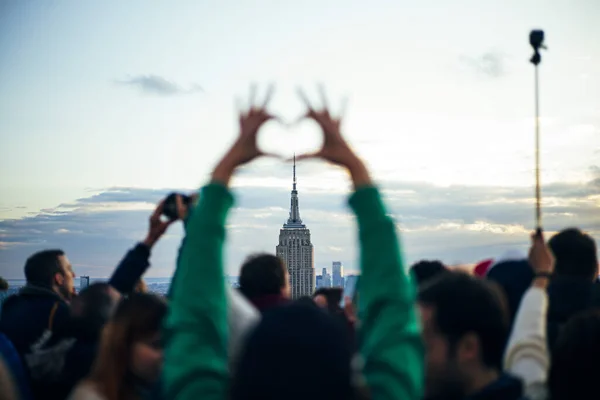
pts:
[536, 39]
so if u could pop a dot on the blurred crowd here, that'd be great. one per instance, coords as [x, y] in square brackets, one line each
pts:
[518, 327]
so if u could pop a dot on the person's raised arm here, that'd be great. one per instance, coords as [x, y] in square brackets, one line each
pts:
[136, 261]
[389, 334]
[196, 353]
[527, 355]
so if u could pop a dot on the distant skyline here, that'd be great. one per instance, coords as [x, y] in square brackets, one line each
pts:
[105, 107]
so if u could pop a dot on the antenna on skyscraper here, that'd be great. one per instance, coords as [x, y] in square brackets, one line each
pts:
[294, 171]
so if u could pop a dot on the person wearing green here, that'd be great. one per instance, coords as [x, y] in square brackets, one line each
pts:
[196, 332]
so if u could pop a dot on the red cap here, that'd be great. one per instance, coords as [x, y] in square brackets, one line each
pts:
[482, 268]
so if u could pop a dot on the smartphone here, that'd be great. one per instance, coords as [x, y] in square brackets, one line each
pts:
[350, 291]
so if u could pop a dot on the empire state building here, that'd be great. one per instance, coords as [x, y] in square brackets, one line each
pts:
[296, 250]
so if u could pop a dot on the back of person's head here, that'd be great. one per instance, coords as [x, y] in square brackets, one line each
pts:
[465, 329]
[130, 346]
[297, 351]
[41, 267]
[93, 307]
[263, 275]
[575, 356]
[575, 254]
[424, 270]
[514, 277]
[3, 285]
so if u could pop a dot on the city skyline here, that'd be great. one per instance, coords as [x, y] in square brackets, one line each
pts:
[106, 107]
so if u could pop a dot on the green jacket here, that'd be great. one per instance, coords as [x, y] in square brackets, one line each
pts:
[196, 327]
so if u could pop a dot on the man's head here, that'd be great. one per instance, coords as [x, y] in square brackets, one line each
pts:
[465, 328]
[575, 254]
[51, 269]
[263, 275]
[425, 270]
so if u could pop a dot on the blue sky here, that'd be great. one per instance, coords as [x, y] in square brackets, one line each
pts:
[105, 106]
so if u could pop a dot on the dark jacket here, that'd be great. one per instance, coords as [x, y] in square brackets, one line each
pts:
[504, 388]
[38, 322]
[568, 296]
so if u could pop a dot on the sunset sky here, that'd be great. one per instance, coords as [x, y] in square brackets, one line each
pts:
[105, 107]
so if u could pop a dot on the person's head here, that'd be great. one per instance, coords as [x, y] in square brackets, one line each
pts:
[424, 270]
[93, 307]
[328, 298]
[465, 329]
[263, 275]
[51, 269]
[514, 278]
[575, 356]
[3, 285]
[130, 349]
[298, 351]
[575, 254]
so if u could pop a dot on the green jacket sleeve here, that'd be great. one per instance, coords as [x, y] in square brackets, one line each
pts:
[196, 326]
[389, 334]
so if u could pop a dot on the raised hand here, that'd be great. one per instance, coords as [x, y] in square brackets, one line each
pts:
[540, 259]
[245, 148]
[335, 149]
[157, 226]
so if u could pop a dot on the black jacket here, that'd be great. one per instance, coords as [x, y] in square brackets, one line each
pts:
[567, 297]
[506, 387]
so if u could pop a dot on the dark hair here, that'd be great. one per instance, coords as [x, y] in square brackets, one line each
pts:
[92, 309]
[3, 284]
[262, 274]
[575, 356]
[575, 253]
[424, 270]
[136, 318]
[41, 267]
[464, 304]
[295, 344]
[333, 296]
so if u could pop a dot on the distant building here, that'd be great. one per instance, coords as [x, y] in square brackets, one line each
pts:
[296, 250]
[350, 281]
[319, 281]
[337, 274]
[84, 281]
[326, 282]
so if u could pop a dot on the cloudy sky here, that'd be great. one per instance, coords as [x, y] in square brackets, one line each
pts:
[107, 106]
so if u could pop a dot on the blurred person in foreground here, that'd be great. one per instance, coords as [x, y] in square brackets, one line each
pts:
[574, 285]
[264, 281]
[293, 347]
[129, 359]
[465, 329]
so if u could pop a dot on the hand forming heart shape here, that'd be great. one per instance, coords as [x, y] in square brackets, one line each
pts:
[245, 149]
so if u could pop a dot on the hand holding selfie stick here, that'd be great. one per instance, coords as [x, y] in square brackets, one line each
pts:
[536, 39]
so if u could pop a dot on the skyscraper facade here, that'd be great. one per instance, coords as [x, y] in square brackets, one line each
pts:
[337, 274]
[296, 249]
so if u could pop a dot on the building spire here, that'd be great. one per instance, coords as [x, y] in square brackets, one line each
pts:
[294, 220]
